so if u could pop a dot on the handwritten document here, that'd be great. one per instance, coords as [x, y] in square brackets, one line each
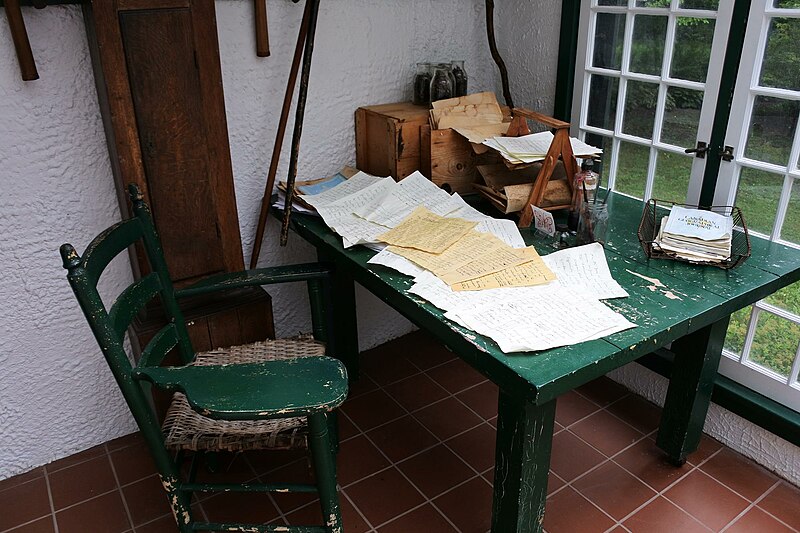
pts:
[557, 317]
[585, 269]
[411, 192]
[534, 272]
[358, 182]
[427, 231]
[339, 216]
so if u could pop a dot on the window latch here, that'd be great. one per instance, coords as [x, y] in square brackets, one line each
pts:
[727, 153]
[698, 151]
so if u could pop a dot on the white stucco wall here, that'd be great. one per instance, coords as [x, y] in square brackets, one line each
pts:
[527, 35]
[56, 395]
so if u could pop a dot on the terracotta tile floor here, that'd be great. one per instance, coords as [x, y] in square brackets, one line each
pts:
[417, 455]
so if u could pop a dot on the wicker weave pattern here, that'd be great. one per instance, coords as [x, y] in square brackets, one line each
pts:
[185, 429]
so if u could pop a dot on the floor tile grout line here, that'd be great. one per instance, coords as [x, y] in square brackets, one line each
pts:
[271, 498]
[119, 488]
[764, 496]
[358, 509]
[50, 497]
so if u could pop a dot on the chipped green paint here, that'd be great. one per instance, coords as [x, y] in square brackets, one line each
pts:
[310, 387]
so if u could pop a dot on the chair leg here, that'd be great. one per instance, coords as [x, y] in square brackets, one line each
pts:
[325, 470]
[333, 429]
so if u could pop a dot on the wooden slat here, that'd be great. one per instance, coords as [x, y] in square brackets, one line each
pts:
[132, 300]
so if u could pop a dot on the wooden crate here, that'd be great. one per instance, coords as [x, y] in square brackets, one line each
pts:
[449, 160]
[387, 138]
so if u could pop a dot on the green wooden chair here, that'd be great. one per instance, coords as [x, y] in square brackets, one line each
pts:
[275, 393]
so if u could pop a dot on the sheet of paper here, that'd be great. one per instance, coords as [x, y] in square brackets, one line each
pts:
[317, 186]
[466, 211]
[517, 196]
[353, 185]
[504, 229]
[488, 261]
[478, 134]
[529, 274]
[465, 250]
[427, 231]
[399, 263]
[557, 317]
[339, 215]
[585, 269]
[411, 192]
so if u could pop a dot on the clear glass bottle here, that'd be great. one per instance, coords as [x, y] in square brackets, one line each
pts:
[422, 84]
[442, 83]
[584, 187]
[460, 76]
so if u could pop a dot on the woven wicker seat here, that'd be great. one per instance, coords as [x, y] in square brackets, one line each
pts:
[185, 429]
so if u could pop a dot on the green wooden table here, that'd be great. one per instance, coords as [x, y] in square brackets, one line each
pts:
[691, 311]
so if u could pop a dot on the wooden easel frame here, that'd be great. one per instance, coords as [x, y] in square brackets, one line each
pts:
[559, 148]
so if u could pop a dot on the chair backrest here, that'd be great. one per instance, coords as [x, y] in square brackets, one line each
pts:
[109, 326]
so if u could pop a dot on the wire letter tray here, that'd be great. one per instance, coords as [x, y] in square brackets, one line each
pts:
[654, 210]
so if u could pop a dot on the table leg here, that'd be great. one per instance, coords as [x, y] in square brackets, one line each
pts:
[344, 316]
[689, 395]
[522, 462]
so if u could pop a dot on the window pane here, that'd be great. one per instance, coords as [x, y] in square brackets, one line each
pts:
[693, 38]
[640, 109]
[791, 222]
[602, 105]
[775, 343]
[681, 116]
[647, 50]
[786, 4]
[672, 176]
[605, 144]
[632, 169]
[608, 37]
[772, 126]
[781, 66]
[757, 197]
[612, 2]
[699, 4]
[652, 3]
[737, 329]
[787, 298]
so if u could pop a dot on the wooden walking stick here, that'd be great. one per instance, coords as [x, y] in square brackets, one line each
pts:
[262, 30]
[27, 65]
[298, 117]
[276, 150]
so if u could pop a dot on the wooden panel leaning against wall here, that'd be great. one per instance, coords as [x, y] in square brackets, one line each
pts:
[160, 90]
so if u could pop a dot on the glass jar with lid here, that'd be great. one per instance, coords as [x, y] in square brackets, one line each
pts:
[442, 82]
[422, 84]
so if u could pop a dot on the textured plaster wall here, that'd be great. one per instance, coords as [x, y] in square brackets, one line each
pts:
[56, 394]
[527, 35]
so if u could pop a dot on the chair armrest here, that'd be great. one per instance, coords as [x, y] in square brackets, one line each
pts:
[256, 391]
[257, 277]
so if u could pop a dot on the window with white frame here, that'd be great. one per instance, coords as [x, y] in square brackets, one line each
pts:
[646, 88]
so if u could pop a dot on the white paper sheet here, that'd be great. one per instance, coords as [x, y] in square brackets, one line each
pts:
[413, 191]
[338, 215]
[585, 269]
[358, 182]
[557, 317]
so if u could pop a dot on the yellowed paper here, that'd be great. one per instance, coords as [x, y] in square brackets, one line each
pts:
[467, 111]
[479, 133]
[534, 272]
[517, 196]
[426, 231]
[487, 263]
[462, 252]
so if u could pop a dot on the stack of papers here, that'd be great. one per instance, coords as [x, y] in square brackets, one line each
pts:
[476, 116]
[695, 235]
[534, 147]
[475, 268]
[315, 186]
